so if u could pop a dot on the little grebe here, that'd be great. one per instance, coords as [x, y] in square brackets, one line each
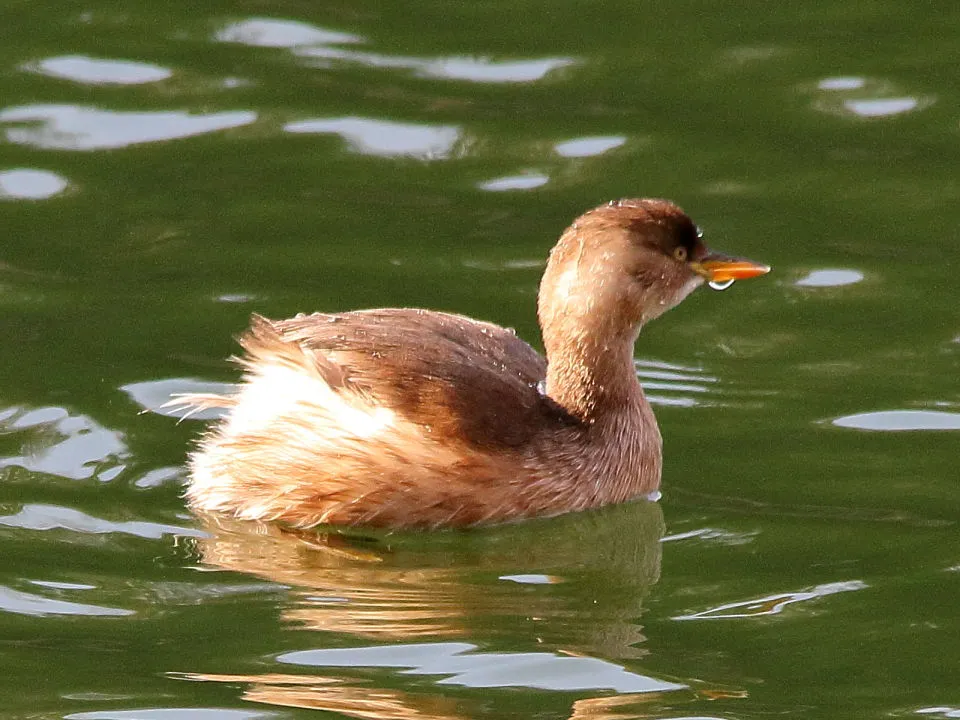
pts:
[415, 418]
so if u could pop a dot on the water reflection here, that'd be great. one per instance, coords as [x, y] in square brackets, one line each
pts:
[431, 602]
[28, 184]
[153, 396]
[319, 45]
[867, 98]
[37, 516]
[353, 699]
[75, 127]
[882, 107]
[180, 713]
[268, 32]
[93, 71]
[386, 139]
[235, 298]
[21, 603]
[714, 535]
[51, 440]
[159, 476]
[901, 420]
[589, 146]
[524, 181]
[773, 604]
[941, 711]
[480, 70]
[676, 385]
[830, 278]
[841, 83]
[460, 664]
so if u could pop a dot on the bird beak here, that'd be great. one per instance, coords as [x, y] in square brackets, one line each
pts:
[721, 268]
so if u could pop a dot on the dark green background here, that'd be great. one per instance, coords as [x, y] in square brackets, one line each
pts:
[840, 546]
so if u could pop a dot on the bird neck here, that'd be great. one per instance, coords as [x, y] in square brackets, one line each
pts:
[592, 378]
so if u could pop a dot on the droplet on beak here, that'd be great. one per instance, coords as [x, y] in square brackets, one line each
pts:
[720, 284]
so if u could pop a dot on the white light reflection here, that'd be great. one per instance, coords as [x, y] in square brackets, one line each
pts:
[460, 665]
[841, 83]
[37, 516]
[152, 395]
[57, 443]
[385, 139]
[901, 420]
[267, 32]
[93, 71]
[686, 386]
[479, 70]
[319, 45]
[526, 181]
[21, 603]
[589, 146]
[28, 184]
[882, 107]
[72, 127]
[830, 278]
[773, 604]
[943, 711]
[178, 713]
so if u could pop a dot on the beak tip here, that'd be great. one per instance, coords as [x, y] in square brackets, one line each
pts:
[720, 269]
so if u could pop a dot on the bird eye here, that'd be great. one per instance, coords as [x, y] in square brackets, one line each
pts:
[680, 253]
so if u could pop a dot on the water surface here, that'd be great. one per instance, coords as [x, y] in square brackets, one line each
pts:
[166, 170]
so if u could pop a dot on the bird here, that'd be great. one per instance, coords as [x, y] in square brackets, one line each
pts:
[403, 418]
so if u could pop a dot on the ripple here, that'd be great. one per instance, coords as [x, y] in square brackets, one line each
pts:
[58, 443]
[532, 579]
[267, 32]
[479, 70]
[62, 585]
[589, 146]
[683, 384]
[461, 666]
[319, 45]
[866, 98]
[235, 298]
[502, 265]
[774, 604]
[92, 71]
[37, 516]
[21, 603]
[830, 278]
[882, 107]
[722, 537]
[180, 713]
[28, 184]
[901, 420]
[73, 127]
[159, 477]
[943, 711]
[385, 139]
[483, 70]
[525, 181]
[152, 394]
[841, 83]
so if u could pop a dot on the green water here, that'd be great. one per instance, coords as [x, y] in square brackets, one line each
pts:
[805, 558]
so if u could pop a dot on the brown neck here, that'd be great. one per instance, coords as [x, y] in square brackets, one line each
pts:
[592, 378]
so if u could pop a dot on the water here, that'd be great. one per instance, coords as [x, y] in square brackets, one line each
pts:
[165, 171]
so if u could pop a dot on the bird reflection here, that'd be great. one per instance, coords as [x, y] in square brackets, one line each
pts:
[559, 593]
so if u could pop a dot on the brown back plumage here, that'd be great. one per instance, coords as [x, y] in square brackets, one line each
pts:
[472, 381]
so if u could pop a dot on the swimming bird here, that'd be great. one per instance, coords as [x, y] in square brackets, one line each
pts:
[404, 418]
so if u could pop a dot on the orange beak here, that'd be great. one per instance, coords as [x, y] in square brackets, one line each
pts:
[720, 268]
